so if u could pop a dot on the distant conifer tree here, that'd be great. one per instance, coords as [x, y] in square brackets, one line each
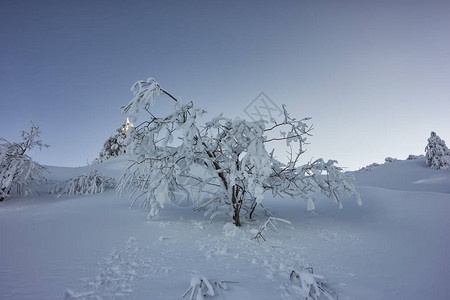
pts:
[437, 153]
[115, 145]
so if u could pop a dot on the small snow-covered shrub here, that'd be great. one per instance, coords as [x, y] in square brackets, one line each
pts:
[413, 157]
[201, 288]
[18, 169]
[370, 167]
[86, 184]
[389, 159]
[437, 153]
[310, 286]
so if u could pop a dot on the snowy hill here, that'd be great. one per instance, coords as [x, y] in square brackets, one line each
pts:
[395, 246]
[409, 175]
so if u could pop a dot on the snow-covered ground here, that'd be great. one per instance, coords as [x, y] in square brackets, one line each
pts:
[395, 246]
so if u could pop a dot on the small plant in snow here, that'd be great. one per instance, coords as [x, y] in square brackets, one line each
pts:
[309, 286]
[17, 169]
[201, 288]
[86, 184]
[226, 159]
[270, 224]
[437, 153]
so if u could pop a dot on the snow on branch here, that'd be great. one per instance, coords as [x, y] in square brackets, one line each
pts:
[144, 97]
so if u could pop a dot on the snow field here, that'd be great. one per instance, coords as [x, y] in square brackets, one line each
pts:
[395, 246]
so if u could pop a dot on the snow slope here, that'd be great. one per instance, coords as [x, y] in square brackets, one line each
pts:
[395, 246]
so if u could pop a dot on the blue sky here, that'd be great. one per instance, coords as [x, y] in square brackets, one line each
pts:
[373, 75]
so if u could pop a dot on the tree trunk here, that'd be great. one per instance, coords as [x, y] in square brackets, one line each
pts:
[237, 204]
[236, 216]
[3, 190]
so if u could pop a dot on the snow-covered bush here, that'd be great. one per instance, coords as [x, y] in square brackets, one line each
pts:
[115, 145]
[201, 288]
[225, 159]
[437, 153]
[86, 184]
[370, 167]
[309, 286]
[374, 165]
[390, 159]
[17, 169]
[413, 157]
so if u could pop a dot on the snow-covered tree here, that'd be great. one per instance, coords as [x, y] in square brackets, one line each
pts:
[17, 169]
[87, 184]
[437, 153]
[225, 159]
[115, 145]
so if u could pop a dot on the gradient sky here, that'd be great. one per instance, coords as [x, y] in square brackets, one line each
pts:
[373, 75]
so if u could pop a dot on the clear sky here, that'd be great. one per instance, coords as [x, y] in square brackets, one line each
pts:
[373, 75]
